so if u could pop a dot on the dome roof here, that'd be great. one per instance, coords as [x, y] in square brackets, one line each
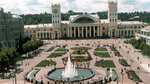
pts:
[85, 18]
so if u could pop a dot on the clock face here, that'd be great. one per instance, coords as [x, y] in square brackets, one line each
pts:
[55, 11]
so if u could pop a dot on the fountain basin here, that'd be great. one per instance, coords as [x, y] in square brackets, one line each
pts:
[83, 74]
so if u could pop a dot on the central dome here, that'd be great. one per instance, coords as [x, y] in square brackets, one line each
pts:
[85, 18]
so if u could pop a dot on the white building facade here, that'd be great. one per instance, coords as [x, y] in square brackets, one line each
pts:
[86, 26]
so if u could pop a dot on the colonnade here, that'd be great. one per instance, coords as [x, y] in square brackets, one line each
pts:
[84, 31]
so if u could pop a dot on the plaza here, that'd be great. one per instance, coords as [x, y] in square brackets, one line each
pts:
[99, 71]
[82, 49]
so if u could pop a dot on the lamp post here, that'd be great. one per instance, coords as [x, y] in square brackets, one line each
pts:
[138, 69]
[14, 75]
[122, 73]
[131, 64]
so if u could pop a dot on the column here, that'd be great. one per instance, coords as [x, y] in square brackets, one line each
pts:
[49, 35]
[124, 33]
[70, 31]
[82, 31]
[74, 32]
[86, 32]
[101, 31]
[127, 33]
[43, 35]
[98, 32]
[90, 31]
[94, 31]
[39, 35]
[78, 32]
[46, 35]
[134, 33]
[54, 35]
[116, 31]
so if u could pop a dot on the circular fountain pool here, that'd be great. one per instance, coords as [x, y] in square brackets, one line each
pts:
[83, 74]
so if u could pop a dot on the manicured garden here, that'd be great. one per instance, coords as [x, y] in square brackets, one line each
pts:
[112, 48]
[54, 54]
[105, 64]
[80, 58]
[57, 53]
[123, 62]
[103, 54]
[79, 52]
[115, 51]
[100, 49]
[44, 63]
[133, 76]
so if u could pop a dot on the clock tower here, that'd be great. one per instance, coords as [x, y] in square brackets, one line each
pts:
[112, 17]
[56, 16]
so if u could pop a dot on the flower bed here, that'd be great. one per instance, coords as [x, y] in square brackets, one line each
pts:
[53, 55]
[123, 62]
[105, 64]
[100, 49]
[103, 54]
[79, 52]
[133, 76]
[60, 49]
[117, 53]
[44, 63]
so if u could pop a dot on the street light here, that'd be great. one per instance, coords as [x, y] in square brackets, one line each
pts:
[138, 69]
[13, 75]
[131, 64]
[122, 73]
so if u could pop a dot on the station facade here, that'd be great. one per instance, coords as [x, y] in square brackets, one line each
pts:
[85, 26]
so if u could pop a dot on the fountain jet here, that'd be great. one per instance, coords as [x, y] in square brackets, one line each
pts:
[70, 70]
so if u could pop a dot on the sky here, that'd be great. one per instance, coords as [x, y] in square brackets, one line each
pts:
[89, 6]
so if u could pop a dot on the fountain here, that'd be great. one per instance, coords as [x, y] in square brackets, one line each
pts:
[70, 70]
[70, 73]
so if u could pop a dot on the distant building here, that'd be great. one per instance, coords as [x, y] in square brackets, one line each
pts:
[144, 33]
[11, 29]
[85, 26]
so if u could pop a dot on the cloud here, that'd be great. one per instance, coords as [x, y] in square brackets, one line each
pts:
[41, 6]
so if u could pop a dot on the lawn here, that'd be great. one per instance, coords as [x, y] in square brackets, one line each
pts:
[113, 49]
[53, 55]
[100, 49]
[61, 49]
[103, 54]
[44, 63]
[117, 53]
[105, 64]
[79, 52]
[134, 76]
[123, 62]
[80, 48]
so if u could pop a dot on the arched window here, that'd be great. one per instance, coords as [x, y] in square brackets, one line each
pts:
[84, 20]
